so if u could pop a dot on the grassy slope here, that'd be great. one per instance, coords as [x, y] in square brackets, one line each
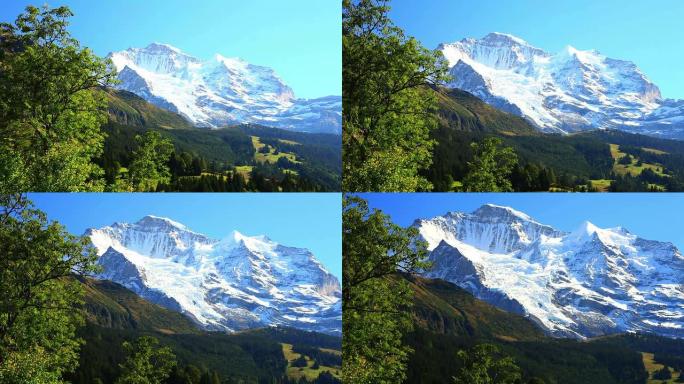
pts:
[442, 307]
[130, 115]
[652, 367]
[111, 305]
[129, 109]
[306, 372]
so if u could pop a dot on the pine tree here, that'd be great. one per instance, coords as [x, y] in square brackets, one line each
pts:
[146, 362]
[491, 168]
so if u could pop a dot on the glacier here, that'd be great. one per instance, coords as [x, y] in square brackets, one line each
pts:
[564, 92]
[221, 91]
[230, 284]
[585, 283]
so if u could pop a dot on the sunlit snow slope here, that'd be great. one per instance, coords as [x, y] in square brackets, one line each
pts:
[568, 91]
[235, 283]
[221, 91]
[588, 282]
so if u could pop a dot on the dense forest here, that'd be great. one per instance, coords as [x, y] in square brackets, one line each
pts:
[116, 315]
[449, 319]
[602, 160]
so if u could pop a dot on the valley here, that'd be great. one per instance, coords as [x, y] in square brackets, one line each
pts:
[220, 160]
[116, 314]
[581, 161]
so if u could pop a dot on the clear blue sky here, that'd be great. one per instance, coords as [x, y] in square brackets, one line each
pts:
[653, 216]
[306, 220]
[300, 39]
[649, 33]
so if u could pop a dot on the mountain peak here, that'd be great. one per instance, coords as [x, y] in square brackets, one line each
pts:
[503, 38]
[500, 210]
[221, 91]
[152, 220]
[236, 283]
[572, 90]
[585, 230]
[586, 283]
[162, 47]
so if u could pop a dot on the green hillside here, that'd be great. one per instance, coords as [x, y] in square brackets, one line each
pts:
[210, 159]
[127, 108]
[110, 305]
[116, 314]
[444, 308]
[448, 319]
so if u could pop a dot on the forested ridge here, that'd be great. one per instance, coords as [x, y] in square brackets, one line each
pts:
[448, 319]
[580, 161]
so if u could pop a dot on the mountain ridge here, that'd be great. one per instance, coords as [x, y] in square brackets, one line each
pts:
[235, 283]
[221, 91]
[585, 283]
[569, 91]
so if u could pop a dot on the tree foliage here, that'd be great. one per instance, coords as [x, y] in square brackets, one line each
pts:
[149, 164]
[38, 316]
[146, 362]
[491, 167]
[484, 364]
[387, 108]
[374, 304]
[50, 116]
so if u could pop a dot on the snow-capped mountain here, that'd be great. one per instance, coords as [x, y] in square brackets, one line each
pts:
[235, 283]
[221, 91]
[564, 92]
[584, 283]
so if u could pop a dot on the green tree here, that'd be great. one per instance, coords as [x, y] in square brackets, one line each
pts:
[662, 374]
[625, 160]
[491, 167]
[50, 107]
[39, 302]
[146, 362]
[375, 303]
[300, 362]
[149, 165]
[485, 364]
[388, 107]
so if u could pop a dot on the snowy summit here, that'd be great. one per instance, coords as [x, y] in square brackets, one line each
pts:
[568, 91]
[221, 91]
[588, 282]
[234, 283]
